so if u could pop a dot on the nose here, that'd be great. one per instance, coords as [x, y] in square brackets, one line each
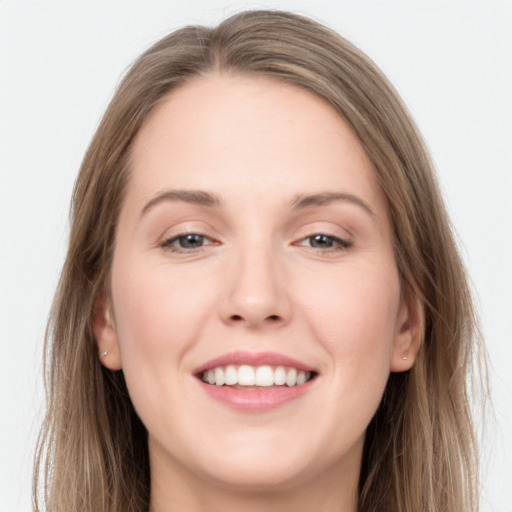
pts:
[255, 292]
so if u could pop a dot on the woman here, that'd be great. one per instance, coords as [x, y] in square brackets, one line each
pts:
[262, 305]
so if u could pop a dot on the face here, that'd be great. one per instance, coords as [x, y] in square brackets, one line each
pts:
[253, 251]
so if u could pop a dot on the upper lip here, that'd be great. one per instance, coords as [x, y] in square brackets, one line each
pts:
[253, 359]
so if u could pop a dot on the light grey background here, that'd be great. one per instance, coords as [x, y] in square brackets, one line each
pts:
[59, 64]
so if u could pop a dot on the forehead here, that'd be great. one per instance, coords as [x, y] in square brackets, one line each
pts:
[248, 136]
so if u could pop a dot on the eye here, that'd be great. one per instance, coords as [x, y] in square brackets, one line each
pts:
[186, 242]
[325, 242]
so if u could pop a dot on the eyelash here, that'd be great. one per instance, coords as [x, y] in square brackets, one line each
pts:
[337, 244]
[168, 244]
[171, 244]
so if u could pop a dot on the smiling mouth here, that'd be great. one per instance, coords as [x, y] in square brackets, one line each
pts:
[263, 377]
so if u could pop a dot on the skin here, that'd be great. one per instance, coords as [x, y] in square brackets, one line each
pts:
[258, 283]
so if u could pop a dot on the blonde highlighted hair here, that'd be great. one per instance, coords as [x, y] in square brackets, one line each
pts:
[419, 452]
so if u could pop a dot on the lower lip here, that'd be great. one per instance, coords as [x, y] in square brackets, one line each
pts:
[256, 400]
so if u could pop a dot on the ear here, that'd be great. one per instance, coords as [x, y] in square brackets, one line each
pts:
[409, 334]
[104, 329]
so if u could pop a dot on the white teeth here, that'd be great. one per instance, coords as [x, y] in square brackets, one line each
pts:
[291, 377]
[262, 376]
[219, 376]
[231, 375]
[246, 376]
[279, 376]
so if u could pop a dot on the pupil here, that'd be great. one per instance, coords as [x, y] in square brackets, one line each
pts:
[191, 241]
[321, 241]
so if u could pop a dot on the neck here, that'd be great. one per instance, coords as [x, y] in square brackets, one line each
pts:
[334, 490]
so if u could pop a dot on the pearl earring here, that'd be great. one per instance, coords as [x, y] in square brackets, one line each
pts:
[405, 355]
[104, 354]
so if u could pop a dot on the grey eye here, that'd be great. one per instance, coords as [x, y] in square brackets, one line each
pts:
[186, 242]
[321, 241]
[325, 243]
[192, 241]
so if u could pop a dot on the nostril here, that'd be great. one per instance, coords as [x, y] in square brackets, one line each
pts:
[238, 318]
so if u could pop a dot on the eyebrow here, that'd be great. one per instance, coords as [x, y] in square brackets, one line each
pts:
[302, 201]
[324, 198]
[198, 197]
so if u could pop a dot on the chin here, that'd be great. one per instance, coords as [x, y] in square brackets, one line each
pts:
[258, 475]
[274, 464]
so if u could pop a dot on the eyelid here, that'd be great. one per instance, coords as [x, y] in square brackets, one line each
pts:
[341, 244]
[327, 227]
[182, 226]
[166, 242]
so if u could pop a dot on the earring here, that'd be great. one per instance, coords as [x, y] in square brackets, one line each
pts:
[104, 354]
[405, 355]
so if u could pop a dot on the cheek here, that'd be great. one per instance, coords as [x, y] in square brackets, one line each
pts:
[159, 316]
[354, 315]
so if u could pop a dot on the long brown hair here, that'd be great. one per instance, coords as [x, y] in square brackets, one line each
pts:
[419, 452]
